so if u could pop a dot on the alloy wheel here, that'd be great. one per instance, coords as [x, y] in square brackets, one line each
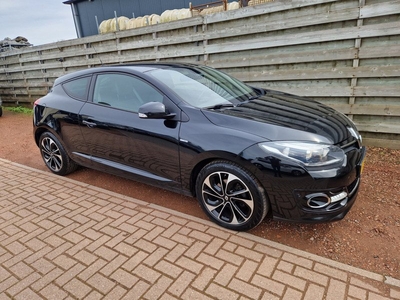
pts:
[51, 154]
[227, 198]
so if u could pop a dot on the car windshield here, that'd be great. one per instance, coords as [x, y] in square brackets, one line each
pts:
[204, 87]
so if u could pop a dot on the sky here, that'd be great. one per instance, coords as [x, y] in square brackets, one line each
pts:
[40, 21]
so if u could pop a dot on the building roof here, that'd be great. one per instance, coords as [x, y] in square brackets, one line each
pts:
[72, 1]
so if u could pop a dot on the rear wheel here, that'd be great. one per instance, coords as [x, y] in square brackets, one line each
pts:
[54, 155]
[231, 196]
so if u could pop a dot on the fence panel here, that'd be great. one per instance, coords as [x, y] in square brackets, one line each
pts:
[344, 53]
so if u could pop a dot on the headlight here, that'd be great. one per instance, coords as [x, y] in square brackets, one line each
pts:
[307, 154]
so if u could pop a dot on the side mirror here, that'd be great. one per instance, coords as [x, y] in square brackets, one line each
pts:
[154, 110]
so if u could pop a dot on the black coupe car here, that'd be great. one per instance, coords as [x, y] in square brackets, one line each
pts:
[244, 152]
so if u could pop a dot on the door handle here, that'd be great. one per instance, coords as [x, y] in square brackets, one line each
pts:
[89, 124]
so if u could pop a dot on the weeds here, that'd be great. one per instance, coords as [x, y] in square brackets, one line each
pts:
[20, 109]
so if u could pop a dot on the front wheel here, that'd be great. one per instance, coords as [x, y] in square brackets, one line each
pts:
[231, 196]
[54, 155]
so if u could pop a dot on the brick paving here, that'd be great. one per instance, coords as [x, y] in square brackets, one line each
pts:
[61, 239]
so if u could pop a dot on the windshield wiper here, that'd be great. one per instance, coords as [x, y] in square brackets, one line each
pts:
[248, 100]
[219, 106]
[254, 97]
[251, 98]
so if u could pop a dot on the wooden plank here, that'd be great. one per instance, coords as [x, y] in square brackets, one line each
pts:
[174, 40]
[42, 84]
[140, 45]
[38, 93]
[17, 95]
[11, 101]
[385, 29]
[273, 24]
[64, 44]
[167, 53]
[377, 91]
[32, 67]
[95, 50]
[60, 45]
[312, 90]
[267, 8]
[316, 73]
[8, 60]
[13, 76]
[62, 54]
[338, 91]
[380, 9]
[374, 109]
[26, 85]
[374, 142]
[379, 52]
[379, 127]
[283, 58]
[19, 91]
[53, 58]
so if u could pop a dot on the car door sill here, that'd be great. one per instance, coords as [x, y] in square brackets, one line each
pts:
[122, 167]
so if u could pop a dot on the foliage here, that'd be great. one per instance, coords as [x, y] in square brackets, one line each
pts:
[20, 109]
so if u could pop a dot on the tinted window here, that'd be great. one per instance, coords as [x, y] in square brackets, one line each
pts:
[77, 88]
[124, 92]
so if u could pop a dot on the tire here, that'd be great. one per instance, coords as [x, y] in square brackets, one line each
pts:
[54, 155]
[241, 205]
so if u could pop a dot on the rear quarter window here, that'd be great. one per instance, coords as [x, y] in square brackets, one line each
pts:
[77, 88]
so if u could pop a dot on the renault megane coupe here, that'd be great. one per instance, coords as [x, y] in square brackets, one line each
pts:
[244, 152]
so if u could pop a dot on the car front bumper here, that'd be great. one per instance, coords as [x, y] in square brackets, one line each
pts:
[305, 199]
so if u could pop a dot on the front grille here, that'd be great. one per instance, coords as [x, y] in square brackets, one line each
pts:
[348, 145]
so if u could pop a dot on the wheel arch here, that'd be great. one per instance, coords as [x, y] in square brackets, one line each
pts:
[195, 172]
[38, 133]
[40, 130]
[223, 156]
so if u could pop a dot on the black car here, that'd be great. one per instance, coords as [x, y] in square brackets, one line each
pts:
[244, 152]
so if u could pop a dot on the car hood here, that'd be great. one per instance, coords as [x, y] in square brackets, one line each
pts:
[280, 116]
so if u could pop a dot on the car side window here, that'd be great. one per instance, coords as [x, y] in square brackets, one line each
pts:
[124, 91]
[77, 88]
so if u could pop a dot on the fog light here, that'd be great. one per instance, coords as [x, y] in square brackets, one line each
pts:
[338, 197]
[318, 200]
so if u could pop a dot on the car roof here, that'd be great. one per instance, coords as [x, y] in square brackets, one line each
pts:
[137, 67]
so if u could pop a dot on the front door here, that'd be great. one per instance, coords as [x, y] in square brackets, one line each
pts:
[123, 143]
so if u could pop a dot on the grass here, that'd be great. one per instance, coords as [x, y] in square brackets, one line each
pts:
[20, 109]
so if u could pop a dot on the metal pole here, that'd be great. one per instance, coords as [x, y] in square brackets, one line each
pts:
[97, 24]
[77, 22]
[116, 21]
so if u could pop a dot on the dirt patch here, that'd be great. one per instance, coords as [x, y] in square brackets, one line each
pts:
[368, 237]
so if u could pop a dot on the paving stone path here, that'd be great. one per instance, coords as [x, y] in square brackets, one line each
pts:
[61, 239]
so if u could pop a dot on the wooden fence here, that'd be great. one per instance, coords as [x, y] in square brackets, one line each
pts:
[344, 53]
